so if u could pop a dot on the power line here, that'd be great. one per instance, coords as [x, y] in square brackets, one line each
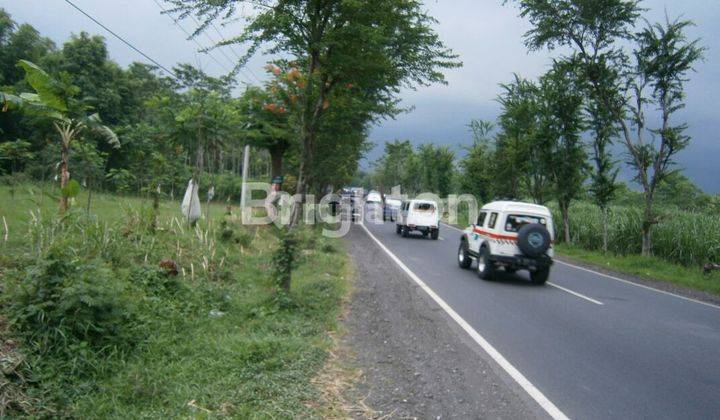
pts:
[123, 40]
[232, 49]
[190, 37]
[219, 48]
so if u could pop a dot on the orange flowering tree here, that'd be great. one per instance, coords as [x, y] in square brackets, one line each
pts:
[371, 48]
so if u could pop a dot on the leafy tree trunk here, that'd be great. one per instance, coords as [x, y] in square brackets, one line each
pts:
[565, 214]
[276, 160]
[647, 224]
[89, 200]
[156, 208]
[66, 134]
[309, 124]
[605, 221]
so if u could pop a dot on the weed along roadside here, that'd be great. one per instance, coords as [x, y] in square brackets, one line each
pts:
[104, 317]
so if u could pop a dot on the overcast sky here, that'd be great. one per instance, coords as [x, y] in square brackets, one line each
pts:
[486, 35]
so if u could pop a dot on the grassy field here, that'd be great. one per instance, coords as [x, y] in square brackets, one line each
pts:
[93, 327]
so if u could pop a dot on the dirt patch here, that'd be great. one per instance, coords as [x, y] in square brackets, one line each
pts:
[13, 377]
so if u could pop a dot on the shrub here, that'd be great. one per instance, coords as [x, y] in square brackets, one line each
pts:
[229, 234]
[284, 258]
[156, 281]
[64, 305]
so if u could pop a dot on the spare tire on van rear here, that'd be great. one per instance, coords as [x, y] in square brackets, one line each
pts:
[533, 240]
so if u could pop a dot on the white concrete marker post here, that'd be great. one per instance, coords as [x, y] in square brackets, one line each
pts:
[243, 191]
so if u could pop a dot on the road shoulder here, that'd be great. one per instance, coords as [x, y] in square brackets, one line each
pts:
[415, 361]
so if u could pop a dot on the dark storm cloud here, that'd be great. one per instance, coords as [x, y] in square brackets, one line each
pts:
[486, 34]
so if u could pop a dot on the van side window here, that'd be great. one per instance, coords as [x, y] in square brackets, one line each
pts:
[481, 219]
[493, 220]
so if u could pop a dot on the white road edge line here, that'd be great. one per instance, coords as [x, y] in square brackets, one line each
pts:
[622, 280]
[515, 374]
[637, 284]
[581, 296]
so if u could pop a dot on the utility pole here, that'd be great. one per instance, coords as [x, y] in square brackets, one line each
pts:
[243, 191]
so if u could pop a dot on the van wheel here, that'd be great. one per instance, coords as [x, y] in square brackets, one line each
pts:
[464, 260]
[540, 276]
[398, 229]
[405, 232]
[486, 268]
[435, 234]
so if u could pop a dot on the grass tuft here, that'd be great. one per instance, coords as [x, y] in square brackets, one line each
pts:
[117, 316]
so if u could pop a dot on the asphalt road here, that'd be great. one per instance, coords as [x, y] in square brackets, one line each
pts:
[594, 346]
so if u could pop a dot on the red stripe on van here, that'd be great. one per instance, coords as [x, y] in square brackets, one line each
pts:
[495, 236]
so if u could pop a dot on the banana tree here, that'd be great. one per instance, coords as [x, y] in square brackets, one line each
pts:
[57, 100]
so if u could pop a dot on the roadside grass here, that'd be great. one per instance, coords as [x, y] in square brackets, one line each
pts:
[216, 340]
[648, 268]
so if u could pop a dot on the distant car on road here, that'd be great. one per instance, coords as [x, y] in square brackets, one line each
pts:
[511, 235]
[374, 197]
[391, 208]
[419, 215]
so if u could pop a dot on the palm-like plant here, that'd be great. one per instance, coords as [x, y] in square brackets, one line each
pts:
[57, 99]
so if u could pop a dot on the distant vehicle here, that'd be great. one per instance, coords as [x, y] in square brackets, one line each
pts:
[419, 215]
[346, 193]
[391, 208]
[511, 235]
[374, 197]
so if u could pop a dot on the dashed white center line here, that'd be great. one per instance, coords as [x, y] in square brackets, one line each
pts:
[581, 296]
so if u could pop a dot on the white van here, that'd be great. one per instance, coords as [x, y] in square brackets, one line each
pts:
[419, 215]
[511, 235]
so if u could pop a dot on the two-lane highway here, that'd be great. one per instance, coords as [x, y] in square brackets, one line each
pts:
[594, 346]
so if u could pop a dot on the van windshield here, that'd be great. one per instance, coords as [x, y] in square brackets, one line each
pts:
[516, 221]
[424, 207]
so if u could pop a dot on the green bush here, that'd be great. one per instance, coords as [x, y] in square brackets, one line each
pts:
[229, 234]
[155, 281]
[284, 258]
[68, 306]
[681, 237]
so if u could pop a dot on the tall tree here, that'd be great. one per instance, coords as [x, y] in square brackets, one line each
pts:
[396, 166]
[603, 175]
[477, 165]
[660, 62]
[57, 100]
[377, 46]
[520, 166]
[438, 168]
[562, 149]
[271, 112]
[19, 42]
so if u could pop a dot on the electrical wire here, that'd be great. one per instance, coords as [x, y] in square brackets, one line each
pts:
[191, 38]
[232, 49]
[123, 40]
[213, 42]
